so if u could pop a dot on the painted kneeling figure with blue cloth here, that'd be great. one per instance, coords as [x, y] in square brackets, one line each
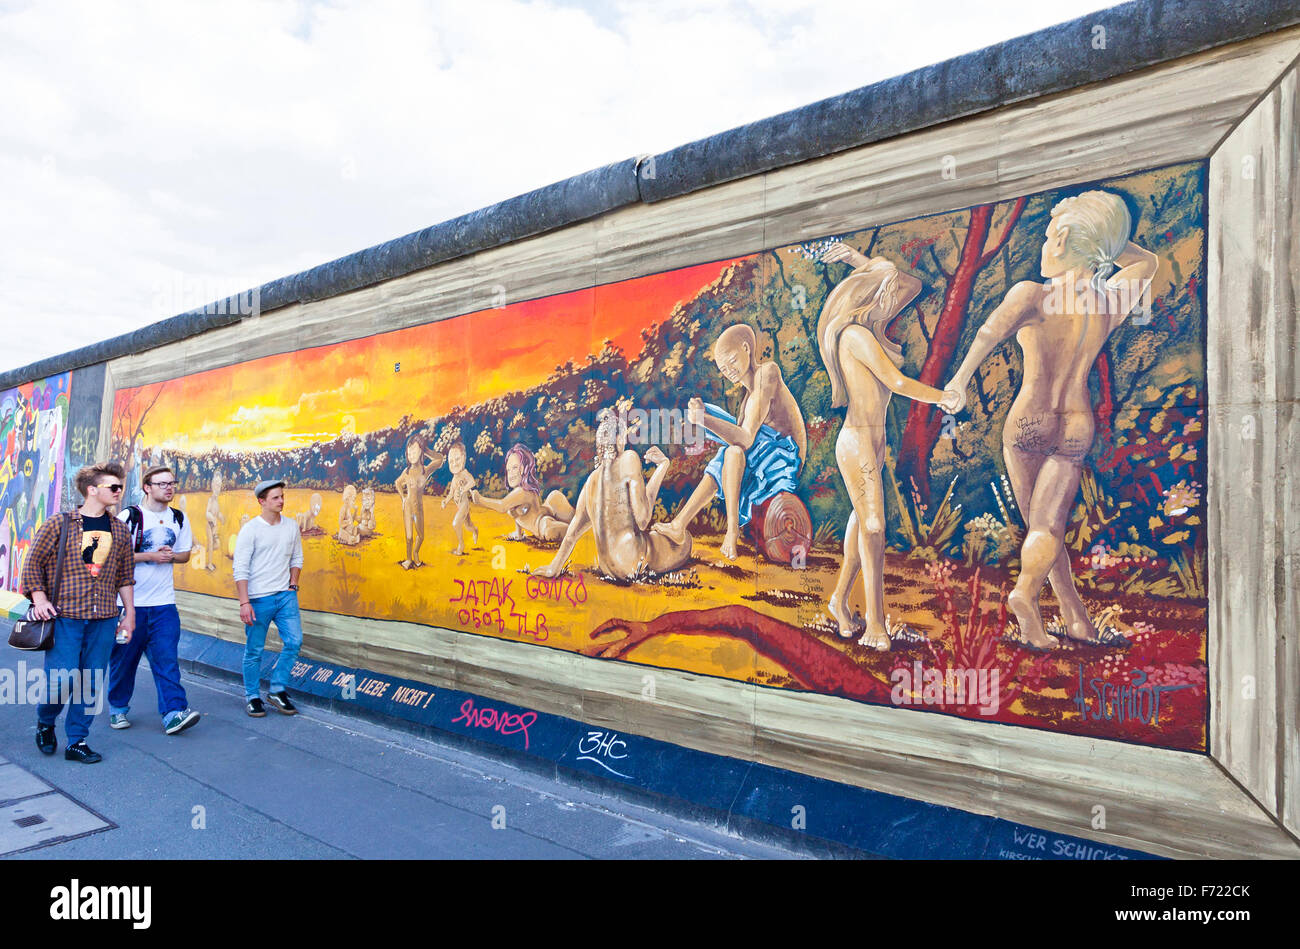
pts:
[268, 560]
[763, 446]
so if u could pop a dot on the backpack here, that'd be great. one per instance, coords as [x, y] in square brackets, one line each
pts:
[135, 520]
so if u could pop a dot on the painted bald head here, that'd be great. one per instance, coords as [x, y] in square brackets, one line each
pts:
[734, 351]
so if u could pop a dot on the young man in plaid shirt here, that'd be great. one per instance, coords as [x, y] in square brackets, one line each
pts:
[98, 567]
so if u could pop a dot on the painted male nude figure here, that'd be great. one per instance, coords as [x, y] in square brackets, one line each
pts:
[1095, 277]
[763, 448]
[214, 519]
[616, 504]
[863, 365]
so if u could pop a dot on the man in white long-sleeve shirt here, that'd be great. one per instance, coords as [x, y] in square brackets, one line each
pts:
[268, 559]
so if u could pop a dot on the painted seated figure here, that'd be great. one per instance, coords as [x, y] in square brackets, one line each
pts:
[617, 504]
[762, 449]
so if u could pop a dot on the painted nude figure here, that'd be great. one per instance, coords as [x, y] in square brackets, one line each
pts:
[349, 530]
[547, 520]
[863, 365]
[1095, 276]
[215, 520]
[420, 466]
[459, 490]
[307, 519]
[366, 519]
[616, 504]
[763, 447]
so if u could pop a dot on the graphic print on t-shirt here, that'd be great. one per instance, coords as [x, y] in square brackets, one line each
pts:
[95, 546]
[155, 538]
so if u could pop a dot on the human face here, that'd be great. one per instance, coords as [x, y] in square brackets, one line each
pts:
[108, 490]
[732, 362]
[1055, 261]
[162, 486]
[514, 471]
[412, 452]
[273, 500]
[456, 461]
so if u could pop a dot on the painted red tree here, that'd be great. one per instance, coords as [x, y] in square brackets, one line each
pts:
[925, 422]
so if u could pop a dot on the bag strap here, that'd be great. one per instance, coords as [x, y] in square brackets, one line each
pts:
[135, 517]
[58, 560]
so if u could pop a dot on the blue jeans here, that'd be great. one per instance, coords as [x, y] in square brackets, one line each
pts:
[157, 635]
[283, 609]
[81, 648]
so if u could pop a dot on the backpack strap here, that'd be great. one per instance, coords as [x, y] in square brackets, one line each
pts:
[135, 518]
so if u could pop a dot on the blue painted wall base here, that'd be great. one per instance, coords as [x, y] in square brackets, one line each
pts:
[741, 795]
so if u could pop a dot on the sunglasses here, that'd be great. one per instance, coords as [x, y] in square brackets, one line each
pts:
[115, 488]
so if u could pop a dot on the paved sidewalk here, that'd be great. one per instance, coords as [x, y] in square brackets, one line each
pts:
[317, 784]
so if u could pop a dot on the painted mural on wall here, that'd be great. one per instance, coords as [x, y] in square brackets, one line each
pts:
[84, 412]
[33, 437]
[952, 464]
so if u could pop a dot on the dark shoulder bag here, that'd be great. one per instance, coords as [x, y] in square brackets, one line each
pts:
[37, 635]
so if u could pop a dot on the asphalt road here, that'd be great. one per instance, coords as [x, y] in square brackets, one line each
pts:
[314, 785]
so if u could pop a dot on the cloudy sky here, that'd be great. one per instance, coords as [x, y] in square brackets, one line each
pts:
[157, 155]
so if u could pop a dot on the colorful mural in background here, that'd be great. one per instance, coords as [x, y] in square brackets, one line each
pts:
[548, 472]
[85, 409]
[33, 434]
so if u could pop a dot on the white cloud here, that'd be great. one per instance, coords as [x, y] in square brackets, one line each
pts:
[232, 144]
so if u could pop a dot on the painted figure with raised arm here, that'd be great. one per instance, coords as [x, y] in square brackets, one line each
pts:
[863, 365]
[763, 446]
[1095, 276]
[420, 466]
[617, 504]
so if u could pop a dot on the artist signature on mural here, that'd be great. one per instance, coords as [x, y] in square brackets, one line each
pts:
[1122, 701]
[503, 723]
[600, 747]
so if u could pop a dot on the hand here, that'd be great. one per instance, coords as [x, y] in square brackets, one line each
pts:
[445, 499]
[473, 496]
[44, 610]
[163, 555]
[246, 613]
[655, 455]
[695, 413]
[954, 393]
[126, 627]
[841, 253]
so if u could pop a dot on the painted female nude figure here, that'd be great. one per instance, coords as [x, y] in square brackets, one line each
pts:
[617, 504]
[863, 365]
[1061, 326]
[420, 466]
[547, 519]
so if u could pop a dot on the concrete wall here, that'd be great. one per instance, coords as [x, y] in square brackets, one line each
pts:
[743, 657]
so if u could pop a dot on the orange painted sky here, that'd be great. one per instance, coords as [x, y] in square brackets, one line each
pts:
[314, 394]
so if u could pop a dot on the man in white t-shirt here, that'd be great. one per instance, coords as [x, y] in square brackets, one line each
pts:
[161, 536]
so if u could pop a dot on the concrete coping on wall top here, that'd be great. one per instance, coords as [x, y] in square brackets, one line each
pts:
[1136, 35]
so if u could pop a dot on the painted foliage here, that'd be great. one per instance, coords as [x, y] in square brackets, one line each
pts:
[33, 436]
[960, 457]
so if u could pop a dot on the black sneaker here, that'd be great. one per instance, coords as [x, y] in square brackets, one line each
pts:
[280, 700]
[255, 708]
[81, 752]
[45, 739]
